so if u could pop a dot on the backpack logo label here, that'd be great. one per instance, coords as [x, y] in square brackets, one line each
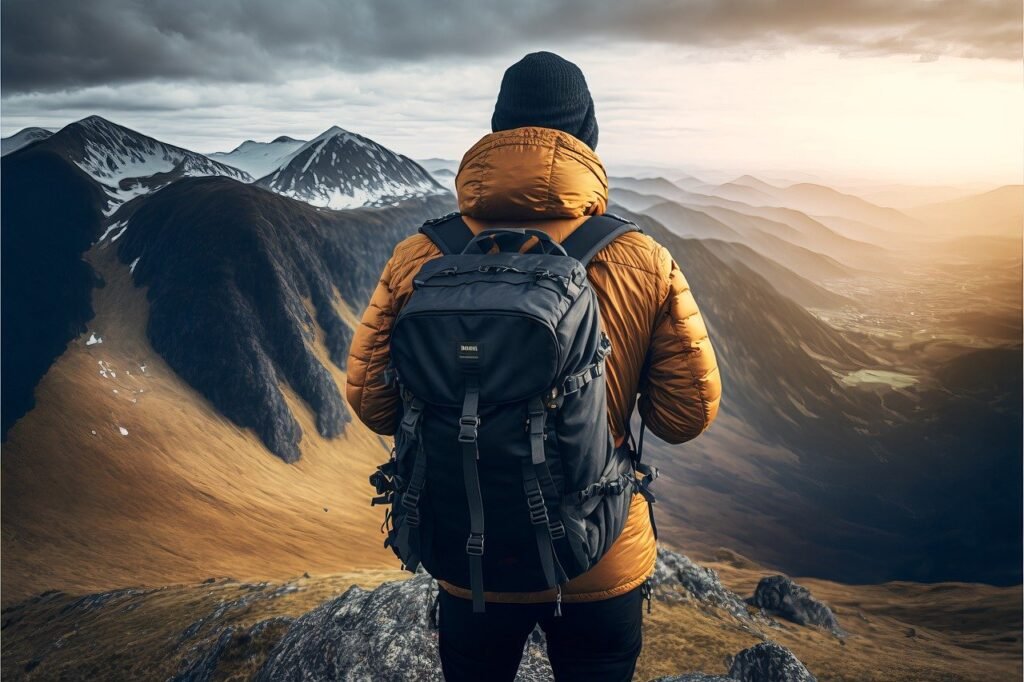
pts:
[469, 351]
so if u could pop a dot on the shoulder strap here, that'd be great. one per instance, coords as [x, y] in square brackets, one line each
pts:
[449, 233]
[594, 234]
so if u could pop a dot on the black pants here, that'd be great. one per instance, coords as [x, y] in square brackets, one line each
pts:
[592, 641]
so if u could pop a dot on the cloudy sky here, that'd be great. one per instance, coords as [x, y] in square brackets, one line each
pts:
[915, 91]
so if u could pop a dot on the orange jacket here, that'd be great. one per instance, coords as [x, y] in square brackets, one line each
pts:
[548, 180]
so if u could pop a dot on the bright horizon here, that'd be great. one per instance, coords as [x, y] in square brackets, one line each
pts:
[913, 99]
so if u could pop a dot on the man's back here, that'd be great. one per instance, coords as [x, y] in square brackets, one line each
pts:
[547, 180]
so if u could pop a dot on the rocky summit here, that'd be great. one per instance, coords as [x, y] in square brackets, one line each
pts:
[390, 633]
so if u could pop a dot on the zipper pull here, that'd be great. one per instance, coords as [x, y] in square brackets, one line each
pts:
[558, 602]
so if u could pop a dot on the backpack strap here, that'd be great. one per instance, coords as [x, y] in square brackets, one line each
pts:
[449, 233]
[594, 234]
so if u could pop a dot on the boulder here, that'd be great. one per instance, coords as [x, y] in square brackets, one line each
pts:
[779, 595]
[677, 578]
[764, 662]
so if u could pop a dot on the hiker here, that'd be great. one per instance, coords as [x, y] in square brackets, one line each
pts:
[537, 170]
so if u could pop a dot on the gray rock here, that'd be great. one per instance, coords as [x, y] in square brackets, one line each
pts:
[779, 595]
[387, 635]
[764, 662]
[769, 662]
[676, 578]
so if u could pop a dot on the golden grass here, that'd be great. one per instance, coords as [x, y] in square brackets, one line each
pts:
[186, 494]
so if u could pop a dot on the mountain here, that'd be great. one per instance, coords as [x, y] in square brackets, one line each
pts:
[46, 285]
[339, 170]
[218, 341]
[999, 212]
[785, 281]
[94, 166]
[128, 163]
[21, 138]
[772, 238]
[195, 246]
[818, 200]
[791, 225]
[259, 158]
[434, 164]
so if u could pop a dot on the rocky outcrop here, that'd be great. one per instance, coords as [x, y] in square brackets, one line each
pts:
[389, 633]
[764, 662]
[780, 596]
[676, 578]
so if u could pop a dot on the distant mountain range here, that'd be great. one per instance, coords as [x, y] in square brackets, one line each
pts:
[175, 332]
[260, 158]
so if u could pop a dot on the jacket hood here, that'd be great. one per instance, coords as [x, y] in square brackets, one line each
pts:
[531, 174]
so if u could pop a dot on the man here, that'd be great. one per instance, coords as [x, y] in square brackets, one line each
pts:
[538, 169]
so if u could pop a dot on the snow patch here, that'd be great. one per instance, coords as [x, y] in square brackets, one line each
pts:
[93, 339]
[124, 431]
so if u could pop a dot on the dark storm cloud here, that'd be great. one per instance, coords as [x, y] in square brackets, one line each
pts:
[56, 44]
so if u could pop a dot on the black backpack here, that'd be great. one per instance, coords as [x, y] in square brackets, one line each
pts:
[499, 358]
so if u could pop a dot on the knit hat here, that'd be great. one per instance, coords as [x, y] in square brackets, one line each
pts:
[546, 91]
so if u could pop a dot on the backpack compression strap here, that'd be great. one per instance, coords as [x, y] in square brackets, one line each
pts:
[451, 235]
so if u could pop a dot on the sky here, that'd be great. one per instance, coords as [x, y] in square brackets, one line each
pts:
[870, 91]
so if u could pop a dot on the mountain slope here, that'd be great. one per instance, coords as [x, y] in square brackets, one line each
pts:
[259, 158]
[23, 137]
[46, 284]
[339, 170]
[229, 266]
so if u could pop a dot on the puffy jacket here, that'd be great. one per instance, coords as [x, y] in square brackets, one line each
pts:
[548, 180]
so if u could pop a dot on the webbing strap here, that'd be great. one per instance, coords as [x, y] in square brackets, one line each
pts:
[539, 518]
[408, 546]
[594, 234]
[468, 424]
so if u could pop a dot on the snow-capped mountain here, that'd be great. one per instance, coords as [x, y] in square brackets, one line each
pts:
[339, 170]
[259, 158]
[23, 137]
[129, 163]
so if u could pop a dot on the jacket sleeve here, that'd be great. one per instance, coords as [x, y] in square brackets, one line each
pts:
[681, 387]
[374, 402]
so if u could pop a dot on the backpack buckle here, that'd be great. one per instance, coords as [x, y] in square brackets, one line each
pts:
[468, 428]
[557, 530]
[475, 544]
[411, 500]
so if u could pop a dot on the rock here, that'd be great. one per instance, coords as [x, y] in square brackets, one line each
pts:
[385, 634]
[764, 662]
[769, 662]
[779, 595]
[675, 573]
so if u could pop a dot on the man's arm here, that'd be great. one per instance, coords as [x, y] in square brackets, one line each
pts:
[681, 387]
[374, 402]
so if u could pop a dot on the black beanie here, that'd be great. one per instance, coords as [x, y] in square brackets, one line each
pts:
[544, 90]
